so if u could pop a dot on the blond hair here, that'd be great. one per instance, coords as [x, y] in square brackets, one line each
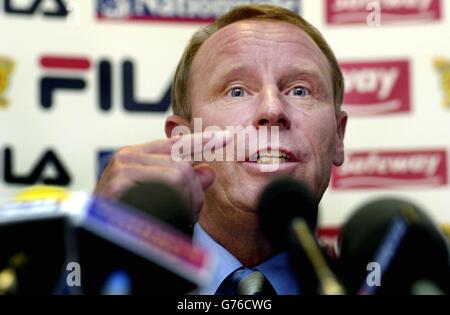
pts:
[180, 96]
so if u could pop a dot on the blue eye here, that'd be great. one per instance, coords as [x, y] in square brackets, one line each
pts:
[236, 92]
[301, 91]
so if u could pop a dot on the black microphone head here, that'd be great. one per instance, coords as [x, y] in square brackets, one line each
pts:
[36, 250]
[162, 201]
[149, 261]
[375, 230]
[281, 201]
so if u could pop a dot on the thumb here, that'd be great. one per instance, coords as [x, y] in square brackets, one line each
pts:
[205, 174]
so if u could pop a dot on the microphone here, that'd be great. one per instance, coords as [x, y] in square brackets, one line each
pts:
[119, 249]
[390, 247]
[33, 247]
[142, 197]
[160, 201]
[288, 215]
[153, 228]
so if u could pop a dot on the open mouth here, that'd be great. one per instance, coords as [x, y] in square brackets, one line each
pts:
[272, 157]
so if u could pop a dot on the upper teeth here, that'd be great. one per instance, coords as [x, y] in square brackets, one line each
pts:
[272, 158]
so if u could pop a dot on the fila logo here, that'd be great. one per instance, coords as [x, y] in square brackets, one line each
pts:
[66, 73]
[39, 172]
[57, 9]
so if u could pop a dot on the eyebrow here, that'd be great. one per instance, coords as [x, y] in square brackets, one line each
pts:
[303, 71]
[235, 71]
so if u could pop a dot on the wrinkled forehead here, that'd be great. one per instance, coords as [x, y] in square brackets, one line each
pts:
[235, 41]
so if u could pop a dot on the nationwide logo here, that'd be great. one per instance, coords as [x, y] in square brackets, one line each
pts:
[176, 10]
[341, 12]
[392, 169]
[6, 68]
[443, 67]
[377, 87]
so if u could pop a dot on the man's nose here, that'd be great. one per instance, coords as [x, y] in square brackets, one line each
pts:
[271, 110]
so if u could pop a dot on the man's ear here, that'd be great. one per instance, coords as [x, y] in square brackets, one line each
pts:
[341, 120]
[173, 121]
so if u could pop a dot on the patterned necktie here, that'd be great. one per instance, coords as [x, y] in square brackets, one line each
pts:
[246, 281]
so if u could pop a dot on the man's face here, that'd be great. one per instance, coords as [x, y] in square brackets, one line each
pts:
[264, 73]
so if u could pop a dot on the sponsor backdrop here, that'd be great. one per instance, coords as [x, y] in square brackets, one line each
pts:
[79, 79]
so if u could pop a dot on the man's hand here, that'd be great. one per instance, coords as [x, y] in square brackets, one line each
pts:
[139, 163]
